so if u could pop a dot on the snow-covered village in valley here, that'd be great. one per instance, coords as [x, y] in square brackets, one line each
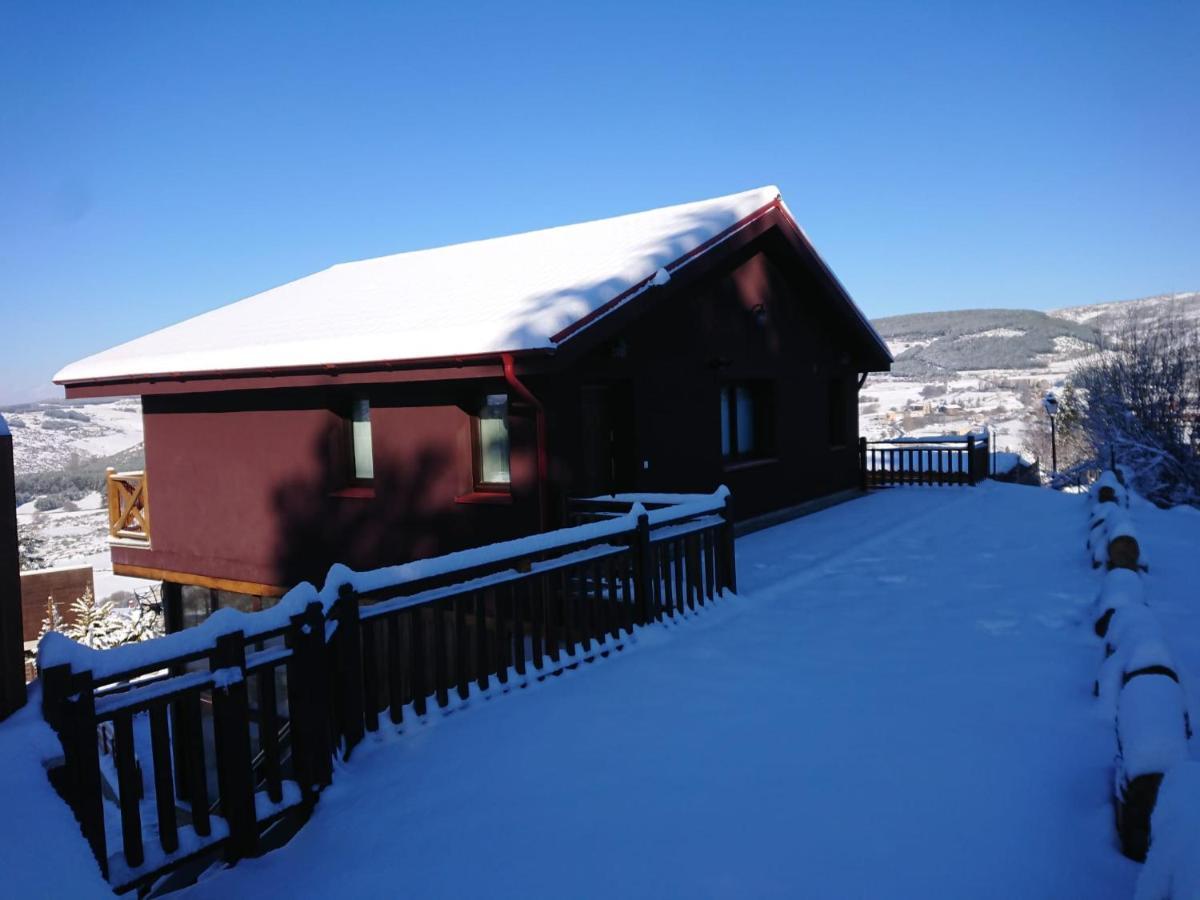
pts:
[444, 453]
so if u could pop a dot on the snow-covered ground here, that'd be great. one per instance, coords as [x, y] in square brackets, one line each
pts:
[898, 705]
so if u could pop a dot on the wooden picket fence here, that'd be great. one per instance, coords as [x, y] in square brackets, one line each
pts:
[242, 732]
[952, 460]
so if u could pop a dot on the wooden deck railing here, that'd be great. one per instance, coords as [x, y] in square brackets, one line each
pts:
[238, 728]
[128, 506]
[948, 460]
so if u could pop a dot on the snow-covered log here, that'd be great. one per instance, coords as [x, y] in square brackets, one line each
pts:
[1120, 588]
[1148, 655]
[1129, 625]
[1151, 738]
[1123, 550]
[1172, 870]
[1108, 489]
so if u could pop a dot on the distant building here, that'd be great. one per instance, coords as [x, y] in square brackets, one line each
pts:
[405, 406]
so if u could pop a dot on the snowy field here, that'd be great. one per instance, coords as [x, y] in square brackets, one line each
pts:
[898, 705]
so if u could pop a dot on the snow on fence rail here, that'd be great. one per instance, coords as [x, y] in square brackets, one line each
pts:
[953, 459]
[1138, 678]
[236, 720]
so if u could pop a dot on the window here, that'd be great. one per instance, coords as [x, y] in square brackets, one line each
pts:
[838, 418]
[491, 445]
[747, 420]
[362, 459]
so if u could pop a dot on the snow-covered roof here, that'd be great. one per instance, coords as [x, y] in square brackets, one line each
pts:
[484, 297]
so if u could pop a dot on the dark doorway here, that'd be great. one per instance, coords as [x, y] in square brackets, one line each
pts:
[607, 465]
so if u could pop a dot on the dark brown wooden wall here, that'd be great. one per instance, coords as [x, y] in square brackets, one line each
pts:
[676, 359]
[12, 650]
[249, 486]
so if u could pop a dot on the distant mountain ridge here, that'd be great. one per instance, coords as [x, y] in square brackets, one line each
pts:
[940, 343]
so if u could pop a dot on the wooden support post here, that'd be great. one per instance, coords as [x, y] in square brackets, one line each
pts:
[862, 463]
[971, 459]
[231, 730]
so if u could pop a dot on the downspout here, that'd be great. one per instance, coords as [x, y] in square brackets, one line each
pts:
[510, 375]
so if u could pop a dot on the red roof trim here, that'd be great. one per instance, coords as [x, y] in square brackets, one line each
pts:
[383, 365]
[626, 294]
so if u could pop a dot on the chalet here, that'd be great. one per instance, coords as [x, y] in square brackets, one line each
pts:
[399, 407]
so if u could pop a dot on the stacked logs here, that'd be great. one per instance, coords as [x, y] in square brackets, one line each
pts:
[1137, 676]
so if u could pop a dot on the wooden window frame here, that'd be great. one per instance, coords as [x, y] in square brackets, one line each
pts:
[479, 485]
[762, 399]
[351, 477]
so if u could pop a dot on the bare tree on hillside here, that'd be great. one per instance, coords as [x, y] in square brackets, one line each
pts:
[1139, 404]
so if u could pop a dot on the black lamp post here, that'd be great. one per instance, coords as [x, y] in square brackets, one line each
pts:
[1050, 402]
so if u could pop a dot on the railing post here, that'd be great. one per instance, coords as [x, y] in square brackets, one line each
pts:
[78, 735]
[971, 459]
[862, 463]
[728, 554]
[641, 560]
[308, 701]
[350, 674]
[231, 731]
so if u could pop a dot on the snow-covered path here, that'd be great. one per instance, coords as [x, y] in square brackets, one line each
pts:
[896, 706]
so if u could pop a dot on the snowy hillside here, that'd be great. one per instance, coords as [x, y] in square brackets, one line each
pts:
[966, 369]
[1106, 315]
[48, 435]
[60, 452]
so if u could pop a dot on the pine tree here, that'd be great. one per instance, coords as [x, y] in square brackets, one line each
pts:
[53, 620]
[96, 624]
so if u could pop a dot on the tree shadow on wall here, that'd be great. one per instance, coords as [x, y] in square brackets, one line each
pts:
[324, 520]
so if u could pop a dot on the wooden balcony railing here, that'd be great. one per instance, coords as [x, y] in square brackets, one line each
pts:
[128, 506]
[215, 736]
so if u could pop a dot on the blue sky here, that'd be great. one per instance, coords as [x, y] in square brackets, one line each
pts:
[158, 160]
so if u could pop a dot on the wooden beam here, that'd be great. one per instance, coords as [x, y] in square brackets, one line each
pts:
[220, 584]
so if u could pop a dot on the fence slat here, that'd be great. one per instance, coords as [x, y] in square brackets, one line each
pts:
[441, 670]
[370, 675]
[197, 779]
[129, 787]
[461, 667]
[350, 669]
[268, 733]
[553, 604]
[517, 607]
[569, 610]
[164, 784]
[482, 641]
[537, 622]
[416, 652]
[395, 669]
